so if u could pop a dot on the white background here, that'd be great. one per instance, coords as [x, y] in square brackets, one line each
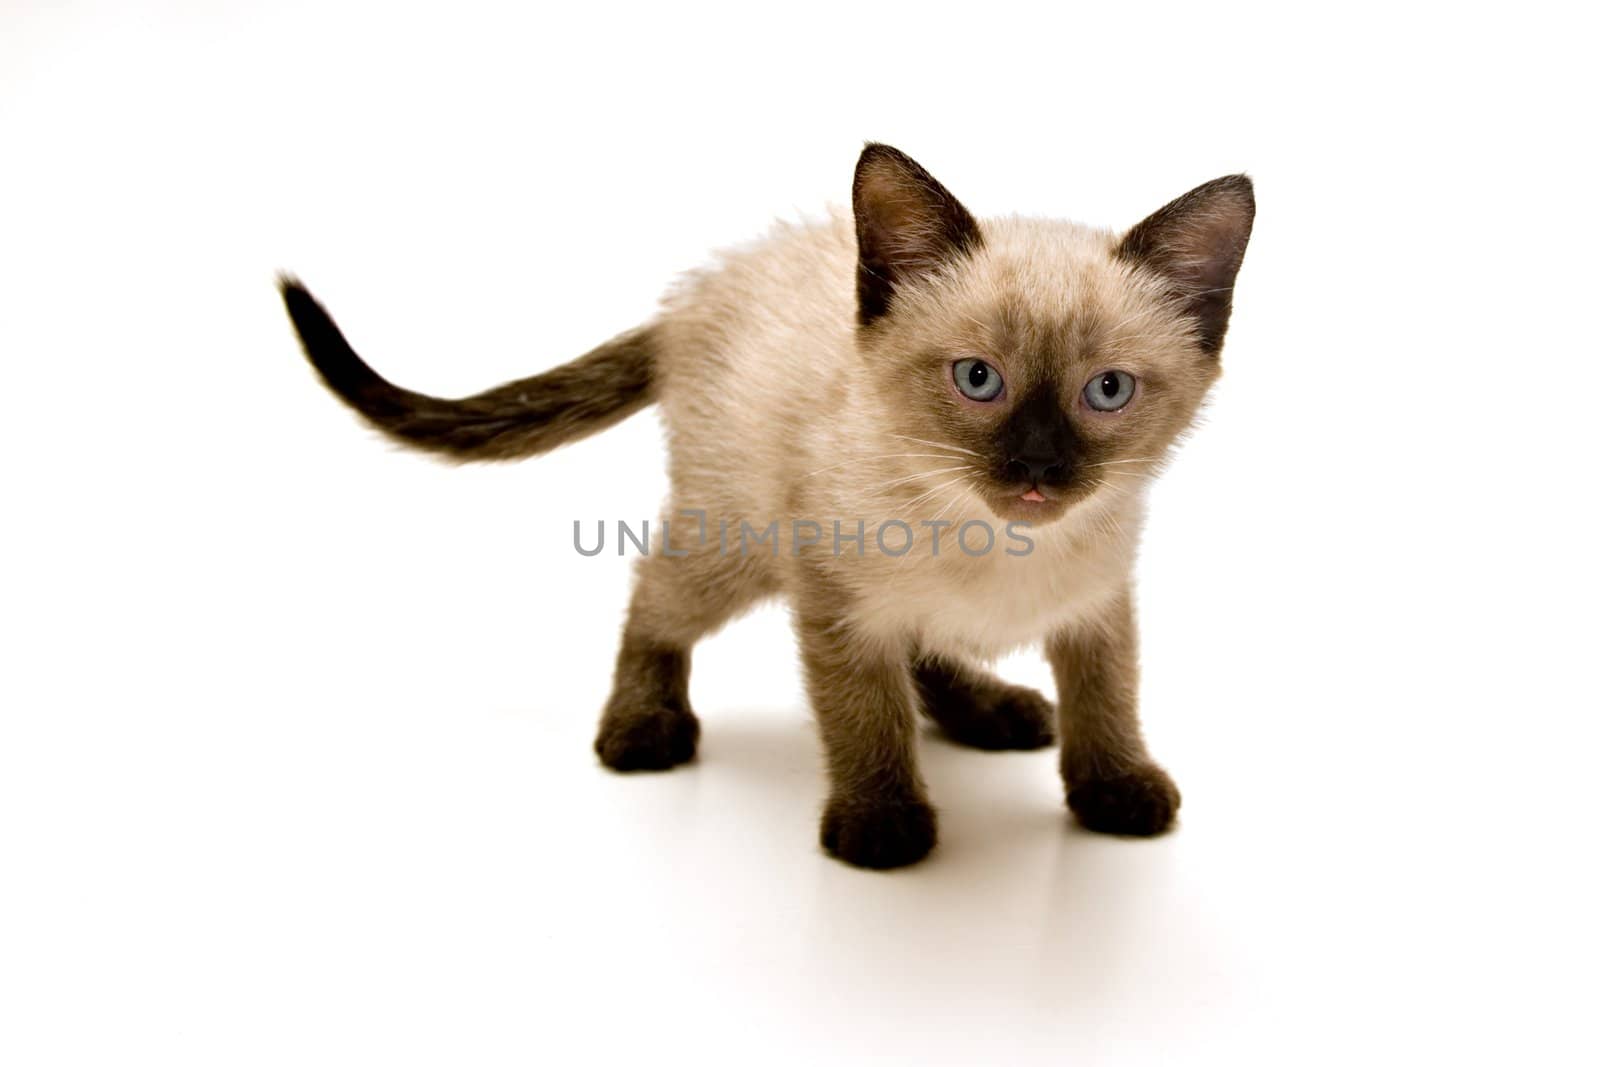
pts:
[295, 762]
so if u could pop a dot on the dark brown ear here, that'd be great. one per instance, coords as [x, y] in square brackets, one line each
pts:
[1197, 243]
[907, 226]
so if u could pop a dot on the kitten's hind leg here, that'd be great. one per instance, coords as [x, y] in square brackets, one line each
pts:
[648, 724]
[975, 708]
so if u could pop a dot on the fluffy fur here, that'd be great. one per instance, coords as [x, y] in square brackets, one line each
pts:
[808, 377]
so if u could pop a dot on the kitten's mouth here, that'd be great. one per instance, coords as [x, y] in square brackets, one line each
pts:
[1037, 504]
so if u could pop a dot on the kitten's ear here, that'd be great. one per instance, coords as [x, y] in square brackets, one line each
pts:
[1197, 243]
[907, 226]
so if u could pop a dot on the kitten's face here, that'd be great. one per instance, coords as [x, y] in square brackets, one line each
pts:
[1047, 368]
[1049, 361]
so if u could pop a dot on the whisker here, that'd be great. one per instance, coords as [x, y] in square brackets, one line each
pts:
[955, 486]
[954, 500]
[914, 501]
[1122, 462]
[882, 457]
[936, 444]
[924, 474]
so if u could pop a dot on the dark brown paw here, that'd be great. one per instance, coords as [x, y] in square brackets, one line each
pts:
[1012, 717]
[1140, 803]
[649, 741]
[879, 835]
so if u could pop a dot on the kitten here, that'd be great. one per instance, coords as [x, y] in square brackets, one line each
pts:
[907, 364]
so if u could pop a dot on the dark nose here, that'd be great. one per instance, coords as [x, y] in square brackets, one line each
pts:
[1037, 468]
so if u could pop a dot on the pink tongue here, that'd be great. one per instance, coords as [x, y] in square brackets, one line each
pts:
[1033, 495]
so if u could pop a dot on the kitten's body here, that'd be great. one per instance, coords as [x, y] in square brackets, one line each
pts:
[808, 380]
[760, 389]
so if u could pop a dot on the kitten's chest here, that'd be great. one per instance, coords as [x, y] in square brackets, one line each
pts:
[989, 606]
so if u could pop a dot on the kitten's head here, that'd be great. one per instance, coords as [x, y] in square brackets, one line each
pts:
[1048, 359]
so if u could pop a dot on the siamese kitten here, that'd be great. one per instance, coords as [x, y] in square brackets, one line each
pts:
[907, 364]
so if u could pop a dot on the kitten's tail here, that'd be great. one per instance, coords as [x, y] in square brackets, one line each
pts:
[521, 418]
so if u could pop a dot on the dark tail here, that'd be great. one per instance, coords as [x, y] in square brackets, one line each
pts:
[518, 419]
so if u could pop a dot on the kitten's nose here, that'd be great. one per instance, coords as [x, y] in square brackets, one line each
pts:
[1036, 468]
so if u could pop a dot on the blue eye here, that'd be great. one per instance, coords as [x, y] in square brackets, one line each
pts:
[977, 380]
[1110, 391]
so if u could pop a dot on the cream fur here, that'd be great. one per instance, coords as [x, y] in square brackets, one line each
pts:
[773, 412]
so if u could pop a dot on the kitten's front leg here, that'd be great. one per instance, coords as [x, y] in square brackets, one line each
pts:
[1113, 786]
[878, 813]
